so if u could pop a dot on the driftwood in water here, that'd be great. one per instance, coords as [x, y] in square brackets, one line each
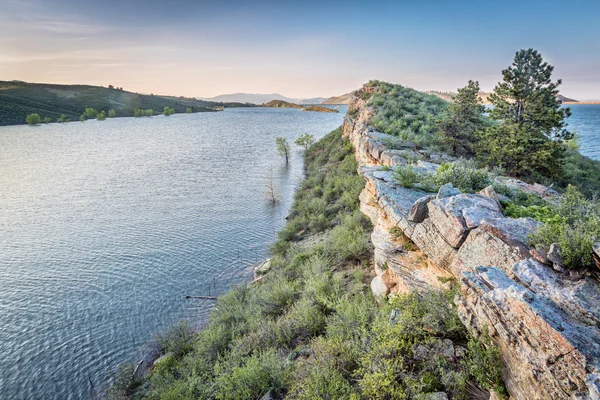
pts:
[202, 297]
[137, 367]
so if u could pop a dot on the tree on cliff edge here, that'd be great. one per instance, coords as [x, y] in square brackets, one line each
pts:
[462, 119]
[527, 141]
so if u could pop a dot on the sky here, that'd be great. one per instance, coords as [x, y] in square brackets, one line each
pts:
[299, 49]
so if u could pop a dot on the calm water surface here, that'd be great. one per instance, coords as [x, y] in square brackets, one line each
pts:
[106, 226]
[586, 122]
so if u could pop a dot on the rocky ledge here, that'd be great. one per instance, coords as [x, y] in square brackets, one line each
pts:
[546, 325]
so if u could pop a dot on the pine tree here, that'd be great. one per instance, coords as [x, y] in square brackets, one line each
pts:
[531, 122]
[462, 119]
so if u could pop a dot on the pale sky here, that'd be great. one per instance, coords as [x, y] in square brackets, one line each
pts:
[299, 49]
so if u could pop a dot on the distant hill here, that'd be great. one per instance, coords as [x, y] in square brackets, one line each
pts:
[448, 96]
[343, 99]
[566, 99]
[18, 99]
[316, 108]
[281, 104]
[257, 98]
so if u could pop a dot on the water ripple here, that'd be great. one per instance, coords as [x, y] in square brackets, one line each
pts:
[106, 226]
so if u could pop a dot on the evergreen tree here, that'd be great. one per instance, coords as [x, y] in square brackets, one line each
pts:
[462, 119]
[527, 141]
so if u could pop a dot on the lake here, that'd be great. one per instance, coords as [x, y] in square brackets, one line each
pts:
[106, 226]
[585, 121]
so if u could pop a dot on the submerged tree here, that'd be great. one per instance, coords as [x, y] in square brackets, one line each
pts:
[283, 148]
[112, 113]
[305, 140]
[168, 111]
[527, 140]
[462, 119]
[101, 116]
[271, 193]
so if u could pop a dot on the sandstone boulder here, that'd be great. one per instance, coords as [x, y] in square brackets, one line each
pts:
[490, 193]
[495, 243]
[429, 239]
[547, 354]
[419, 210]
[580, 299]
[454, 216]
[379, 288]
[447, 190]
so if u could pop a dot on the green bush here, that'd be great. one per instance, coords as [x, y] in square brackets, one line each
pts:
[33, 119]
[406, 176]
[252, 378]
[463, 174]
[575, 227]
[101, 116]
[177, 340]
[484, 364]
[541, 213]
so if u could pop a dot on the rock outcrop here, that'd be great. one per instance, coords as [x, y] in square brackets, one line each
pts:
[546, 326]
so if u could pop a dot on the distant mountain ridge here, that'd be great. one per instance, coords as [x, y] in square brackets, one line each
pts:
[260, 98]
[448, 96]
[343, 99]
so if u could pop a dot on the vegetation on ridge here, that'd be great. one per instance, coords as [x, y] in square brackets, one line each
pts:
[19, 99]
[310, 328]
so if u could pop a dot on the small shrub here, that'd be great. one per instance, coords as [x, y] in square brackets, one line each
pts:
[177, 340]
[101, 116]
[253, 378]
[484, 364]
[463, 174]
[541, 213]
[406, 176]
[33, 119]
[575, 227]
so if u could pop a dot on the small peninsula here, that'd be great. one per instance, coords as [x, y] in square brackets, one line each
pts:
[286, 104]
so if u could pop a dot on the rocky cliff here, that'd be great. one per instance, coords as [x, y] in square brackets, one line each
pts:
[546, 324]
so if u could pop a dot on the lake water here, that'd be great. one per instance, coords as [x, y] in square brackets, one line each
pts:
[106, 226]
[586, 122]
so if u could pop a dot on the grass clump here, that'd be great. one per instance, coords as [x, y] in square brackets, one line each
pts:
[406, 176]
[575, 226]
[463, 174]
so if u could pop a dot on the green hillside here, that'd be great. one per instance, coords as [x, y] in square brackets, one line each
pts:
[18, 99]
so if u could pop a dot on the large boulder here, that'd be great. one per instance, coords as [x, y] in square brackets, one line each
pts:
[429, 239]
[419, 210]
[447, 190]
[495, 243]
[547, 354]
[379, 288]
[579, 299]
[454, 216]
